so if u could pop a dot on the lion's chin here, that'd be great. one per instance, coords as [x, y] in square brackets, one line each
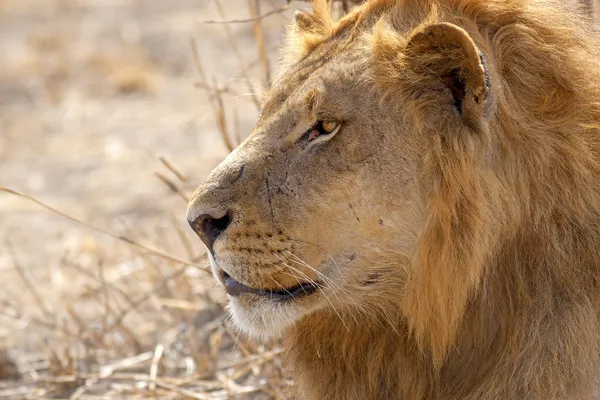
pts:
[265, 320]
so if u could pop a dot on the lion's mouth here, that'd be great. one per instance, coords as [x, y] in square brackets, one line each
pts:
[235, 288]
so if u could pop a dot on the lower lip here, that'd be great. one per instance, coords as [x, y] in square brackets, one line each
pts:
[235, 288]
[297, 292]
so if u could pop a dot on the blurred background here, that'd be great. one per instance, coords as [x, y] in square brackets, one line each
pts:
[112, 112]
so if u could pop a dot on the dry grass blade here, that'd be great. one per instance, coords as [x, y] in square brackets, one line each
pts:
[124, 239]
[30, 286]
[253, 365]
[101, 280]
[212, 89]
[183, 238]
[158, 352]
[196, 58]
[254, 18]
[144, 298]
[172, 186]
[16, 393]
[174, 170]
[180, 304]
[254, 6]
[82, 389]
[238, 54]
[214, 98]
[185, 392]
[83, 329]
[107, 370]
[222, 123]
[236, 127]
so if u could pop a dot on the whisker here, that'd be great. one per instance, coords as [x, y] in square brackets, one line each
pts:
[319, 273]
[237, 336]
[225, 320]
[241, 95]
[319, 288]
[319, 248]
[326, 279]
[292, 269]
[281, 270]
[260, 89]
[281, 286]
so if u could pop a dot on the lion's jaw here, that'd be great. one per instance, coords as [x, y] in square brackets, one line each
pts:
[264, 318]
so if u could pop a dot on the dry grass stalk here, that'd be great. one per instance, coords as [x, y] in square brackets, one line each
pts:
[220, 90]
[236, 51]
[214, 98]
[183, 238]
[254, 17]
[222, 122]
[103, 231]
[236, 128]
[172, 186]
[175, 171]
[30, 286]
[158, 352]
[254, 7]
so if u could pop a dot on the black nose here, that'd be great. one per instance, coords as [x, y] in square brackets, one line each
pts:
[209, 228]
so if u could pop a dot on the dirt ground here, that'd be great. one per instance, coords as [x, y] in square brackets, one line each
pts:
[92, 94]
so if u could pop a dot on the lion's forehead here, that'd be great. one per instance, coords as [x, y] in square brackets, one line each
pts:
[328, 63]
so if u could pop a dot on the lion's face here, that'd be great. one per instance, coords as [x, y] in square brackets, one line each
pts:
[365, 185]
[297, 218]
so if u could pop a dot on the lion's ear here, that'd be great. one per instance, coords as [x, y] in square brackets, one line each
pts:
[319, 21]
[443, 57]
[307, 22]
[308, 30]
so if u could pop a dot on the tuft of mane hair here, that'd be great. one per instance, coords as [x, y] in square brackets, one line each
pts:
[503, 301]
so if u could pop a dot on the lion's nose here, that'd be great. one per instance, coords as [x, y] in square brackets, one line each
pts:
[209, 226]
[211, 208]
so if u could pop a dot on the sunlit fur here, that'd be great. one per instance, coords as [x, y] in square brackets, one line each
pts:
[481, 279]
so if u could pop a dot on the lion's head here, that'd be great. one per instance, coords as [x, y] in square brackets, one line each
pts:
[401, 153]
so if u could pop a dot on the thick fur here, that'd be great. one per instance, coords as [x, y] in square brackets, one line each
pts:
[473, 269]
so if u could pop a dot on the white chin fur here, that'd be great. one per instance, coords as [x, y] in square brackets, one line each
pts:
[266, 319]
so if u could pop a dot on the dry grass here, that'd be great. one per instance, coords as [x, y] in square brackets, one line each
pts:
[115, 309]
[146, 330]
[129, 313]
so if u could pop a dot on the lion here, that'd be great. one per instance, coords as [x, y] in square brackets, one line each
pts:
[417, 211]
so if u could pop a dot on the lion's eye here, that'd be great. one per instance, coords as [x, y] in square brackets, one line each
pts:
[323, 128]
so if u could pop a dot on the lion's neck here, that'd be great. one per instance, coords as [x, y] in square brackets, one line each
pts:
[531, 309]
[349, 360]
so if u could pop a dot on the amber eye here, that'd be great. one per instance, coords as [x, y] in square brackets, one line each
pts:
[322, 128]
[328, 126]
